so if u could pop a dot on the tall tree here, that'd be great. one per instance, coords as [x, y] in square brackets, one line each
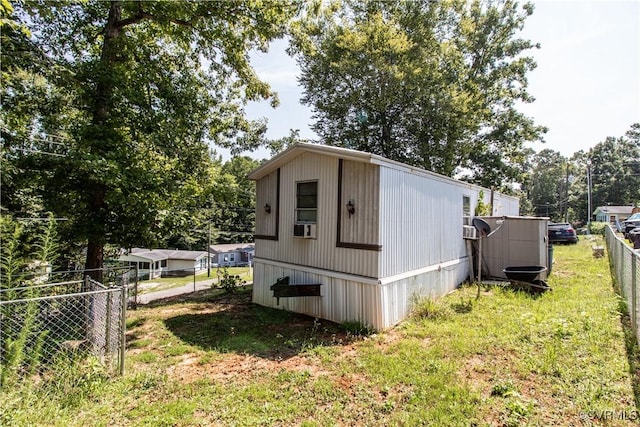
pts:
[547, 186]
[151, 83]
[434, 84]
[615, 170]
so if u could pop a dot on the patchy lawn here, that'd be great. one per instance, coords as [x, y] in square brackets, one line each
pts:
[562, 358]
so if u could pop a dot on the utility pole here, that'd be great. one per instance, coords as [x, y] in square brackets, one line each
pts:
[209, 250]
[566, 196]
[589, 195]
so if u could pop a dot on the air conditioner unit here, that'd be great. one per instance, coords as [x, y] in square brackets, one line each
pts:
[304, 230]
[469, 232]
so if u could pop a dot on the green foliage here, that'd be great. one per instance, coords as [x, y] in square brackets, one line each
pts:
[432, 84]
[228, 282]
[20, 266]
[358, 329]
[598, 227]
[430, 308]
[133, 93]
[615, 170]
[482, 208]
[513, 360]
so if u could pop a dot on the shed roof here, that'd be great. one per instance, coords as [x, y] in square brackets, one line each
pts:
[348, 154]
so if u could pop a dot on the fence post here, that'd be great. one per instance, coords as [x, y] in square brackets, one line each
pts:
[194, 279]
[634, 292]
[107, 339]
[135, 290]
[123, 326]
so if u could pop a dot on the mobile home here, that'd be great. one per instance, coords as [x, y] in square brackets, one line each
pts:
[370, 232]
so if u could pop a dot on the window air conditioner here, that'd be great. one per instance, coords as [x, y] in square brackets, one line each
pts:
[304, 230]
[469, 232]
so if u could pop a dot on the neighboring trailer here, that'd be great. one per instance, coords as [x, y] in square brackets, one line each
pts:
[372, 232]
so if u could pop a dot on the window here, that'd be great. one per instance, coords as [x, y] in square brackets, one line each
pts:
[163, 263]
[307, 201]
[466, 210]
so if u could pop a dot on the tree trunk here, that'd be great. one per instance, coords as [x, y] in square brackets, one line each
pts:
[96, 191]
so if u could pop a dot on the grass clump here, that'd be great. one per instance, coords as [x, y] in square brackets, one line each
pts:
[430, 308]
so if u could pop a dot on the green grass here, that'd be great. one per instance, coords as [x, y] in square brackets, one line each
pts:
[163, 283]
[507, 359]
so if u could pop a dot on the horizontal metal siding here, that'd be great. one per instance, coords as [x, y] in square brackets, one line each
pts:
[341, 300]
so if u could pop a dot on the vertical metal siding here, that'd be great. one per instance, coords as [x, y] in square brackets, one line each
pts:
[320, 252]
[341, 301]
[360, 184]
[266, 191]
[420, 221]
[419, 224]
[399, 296]
[504, 205]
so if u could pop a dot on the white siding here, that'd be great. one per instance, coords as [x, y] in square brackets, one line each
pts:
[420, 221]
[266, 193]
[322, 251]
[360, 185]
[505, 205]
[178, 264]
[398, 296]
[343, 298]
[414, 215]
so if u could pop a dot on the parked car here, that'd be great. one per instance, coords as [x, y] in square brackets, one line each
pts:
[634, 237]
[630, 223]
[561, 233]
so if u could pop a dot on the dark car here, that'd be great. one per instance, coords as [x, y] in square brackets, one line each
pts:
[634, 237]
[630, 223]
[561, 233]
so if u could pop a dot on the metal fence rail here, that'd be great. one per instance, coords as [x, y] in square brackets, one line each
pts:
[78, 318]
[625, 263]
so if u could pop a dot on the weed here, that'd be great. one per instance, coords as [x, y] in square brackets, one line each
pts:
[432, 309]
[357, 329]
[504, 389]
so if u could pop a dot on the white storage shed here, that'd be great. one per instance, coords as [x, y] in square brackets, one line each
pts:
[371, 232]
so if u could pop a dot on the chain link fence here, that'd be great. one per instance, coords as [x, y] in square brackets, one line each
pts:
[42, 324]
[625, 263]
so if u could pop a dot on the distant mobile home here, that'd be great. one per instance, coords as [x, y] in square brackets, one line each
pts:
[371, 232]
[232, 254]
[154, 263]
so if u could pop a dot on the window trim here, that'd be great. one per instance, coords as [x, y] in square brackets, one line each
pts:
[466, 216]
[312, 209]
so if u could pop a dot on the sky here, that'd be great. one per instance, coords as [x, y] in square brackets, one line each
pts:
[586, 84]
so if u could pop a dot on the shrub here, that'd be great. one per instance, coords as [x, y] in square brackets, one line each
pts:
[598, 228]
[228, 282]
